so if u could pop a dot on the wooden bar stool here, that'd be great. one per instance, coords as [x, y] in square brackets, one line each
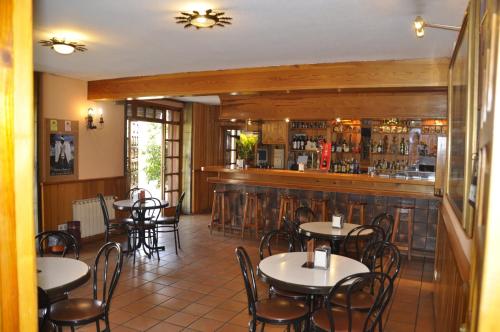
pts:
[320, 208]
[221, 209]
[252, 213]
[351, 205]
[288, 205]
[402, 209]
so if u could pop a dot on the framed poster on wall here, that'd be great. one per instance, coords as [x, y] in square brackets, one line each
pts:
[60, 150]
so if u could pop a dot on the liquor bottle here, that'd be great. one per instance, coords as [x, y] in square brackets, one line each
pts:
[339, 145]
[379, 147]
[345, 147]
[402, 146]
[407, 147]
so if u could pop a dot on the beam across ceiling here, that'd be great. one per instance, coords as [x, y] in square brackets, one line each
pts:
[330, 105]
[387, 74]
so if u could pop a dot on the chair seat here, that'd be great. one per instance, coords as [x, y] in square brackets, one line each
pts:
[285, 293]
[280, 309]
[145, 226]
[359, 300]
[166, 221]
[76, 311]
[340, 319]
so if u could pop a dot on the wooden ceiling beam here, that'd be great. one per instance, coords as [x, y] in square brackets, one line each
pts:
[389, 74]
[328, 106]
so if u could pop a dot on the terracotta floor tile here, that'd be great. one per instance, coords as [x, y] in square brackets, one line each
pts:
[141, 323]
[220, 315]
[175, 304]
[182, 319]
[159, 312]
[232, 328]
[206, 325]
[197, 309]
[165, 327]
[120, 316]
[211, 300]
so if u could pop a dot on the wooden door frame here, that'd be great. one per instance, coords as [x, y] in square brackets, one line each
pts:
[18, 309]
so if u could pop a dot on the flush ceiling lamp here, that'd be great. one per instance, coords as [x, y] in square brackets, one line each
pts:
[208, 20]
[62, 46]
[419, 24]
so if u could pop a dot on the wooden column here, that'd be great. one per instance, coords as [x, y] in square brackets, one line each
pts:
[17, 257]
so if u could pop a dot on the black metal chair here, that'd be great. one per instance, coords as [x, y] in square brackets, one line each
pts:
[276, 310]
[171, 224]
[304, 214]
[78, 311]
[142, 230]
[63, 241]
[132, 192]
[110, 224]
[292, 228]
[43, 309]
[288, 246]
[346, 317]
[381, 257]
[386, 221]
[359, 238]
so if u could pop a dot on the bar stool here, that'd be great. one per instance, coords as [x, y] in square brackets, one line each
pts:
[222, 209]
[252, 213]
[288, 205]
[360, 206]
[404, 209]
[321, 205]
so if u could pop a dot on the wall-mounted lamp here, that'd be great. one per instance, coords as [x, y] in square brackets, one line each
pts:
[90, 118]
[419, 24]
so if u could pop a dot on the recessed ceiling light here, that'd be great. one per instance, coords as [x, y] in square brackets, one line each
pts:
[234, 93]
[233, 120]
[130, 98]
[287, 120]
[62, 46]
[208, 20]
[150, 97]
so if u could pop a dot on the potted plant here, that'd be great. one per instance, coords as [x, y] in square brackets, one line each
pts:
[245, 148]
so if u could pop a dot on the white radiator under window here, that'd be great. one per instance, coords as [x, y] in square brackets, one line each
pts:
[89, 213]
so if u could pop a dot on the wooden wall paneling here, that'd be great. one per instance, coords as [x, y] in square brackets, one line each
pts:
[393, 74]
[331, 104]
[57, 198]
[17, 259]
[206, 150]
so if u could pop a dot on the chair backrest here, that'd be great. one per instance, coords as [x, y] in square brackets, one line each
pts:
[275, 236]
[145, 209]
[136, 190]
[386, 221]
[104, 209]
[293, 229]
[248, 278]
[111, 270]
[304, 214]
[65, 239]
[382, 256]
[376, 283]
[178, 208]
[359, 238]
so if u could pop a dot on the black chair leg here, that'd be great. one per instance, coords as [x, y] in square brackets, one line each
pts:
[178, 237]
[175, 242]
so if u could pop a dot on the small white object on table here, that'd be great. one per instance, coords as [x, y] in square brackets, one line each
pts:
[286, 272]
[57, 275]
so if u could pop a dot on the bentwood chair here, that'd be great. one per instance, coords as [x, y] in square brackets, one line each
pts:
[78, 311]
[386, 221]
[292, 228]
[359, 238]
[62, 242]
[265, 246]
[346, 317]
[304, 214]
[381, 257]
[43, 309]
[142, 230]
[134, 191]
[276, 310]
[110, 225]
[171, 224]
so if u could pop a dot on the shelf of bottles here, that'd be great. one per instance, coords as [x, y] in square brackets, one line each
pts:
[346, 147]
[307, 136]
[396, 145]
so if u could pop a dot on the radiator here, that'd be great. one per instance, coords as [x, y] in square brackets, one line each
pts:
[89, 213]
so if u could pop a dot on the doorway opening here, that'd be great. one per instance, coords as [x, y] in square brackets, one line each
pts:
[149, 156]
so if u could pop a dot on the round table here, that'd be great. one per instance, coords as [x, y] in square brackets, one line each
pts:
[57, 275]
[285, 271]
[127, 204]
[324, 231]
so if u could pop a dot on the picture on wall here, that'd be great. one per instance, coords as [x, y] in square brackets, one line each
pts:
[62, 154]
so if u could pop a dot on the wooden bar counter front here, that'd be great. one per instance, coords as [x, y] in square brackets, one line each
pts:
[378, 195]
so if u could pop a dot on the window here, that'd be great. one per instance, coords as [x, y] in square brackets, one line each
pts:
[230, 153]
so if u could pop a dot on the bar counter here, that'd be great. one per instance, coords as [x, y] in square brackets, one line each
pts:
[314, 180]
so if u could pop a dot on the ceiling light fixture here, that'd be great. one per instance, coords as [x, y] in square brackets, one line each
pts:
[208, 20]
[419, 24]
[62, 46]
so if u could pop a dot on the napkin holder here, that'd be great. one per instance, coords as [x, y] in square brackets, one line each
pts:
[322, 258]
[337, 221]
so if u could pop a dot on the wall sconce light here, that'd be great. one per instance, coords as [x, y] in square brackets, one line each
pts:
[419, 24]
[90, 118]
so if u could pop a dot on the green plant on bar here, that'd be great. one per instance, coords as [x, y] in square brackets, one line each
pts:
[245, 145]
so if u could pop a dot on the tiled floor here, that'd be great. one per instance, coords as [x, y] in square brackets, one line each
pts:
[201, 289]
